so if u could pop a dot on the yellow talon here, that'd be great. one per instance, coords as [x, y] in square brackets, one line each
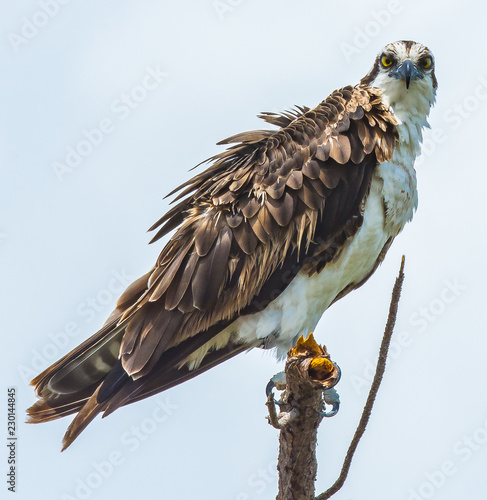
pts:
[307, 346]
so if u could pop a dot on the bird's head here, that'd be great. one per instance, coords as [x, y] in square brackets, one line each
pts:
[405, 72]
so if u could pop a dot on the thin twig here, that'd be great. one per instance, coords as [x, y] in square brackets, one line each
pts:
[379, 372]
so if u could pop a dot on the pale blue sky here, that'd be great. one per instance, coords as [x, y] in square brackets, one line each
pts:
[196, 72]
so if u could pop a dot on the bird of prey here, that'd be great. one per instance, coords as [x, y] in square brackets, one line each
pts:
[282, 224]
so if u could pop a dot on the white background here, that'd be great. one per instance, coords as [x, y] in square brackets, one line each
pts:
[65, 237]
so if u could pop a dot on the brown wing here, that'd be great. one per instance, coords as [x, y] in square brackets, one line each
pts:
[245, 227]
[258, 206]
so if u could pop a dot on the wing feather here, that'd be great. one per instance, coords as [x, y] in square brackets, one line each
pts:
[210, 271]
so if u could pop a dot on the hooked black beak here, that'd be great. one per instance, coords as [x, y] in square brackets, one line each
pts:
[407, 71]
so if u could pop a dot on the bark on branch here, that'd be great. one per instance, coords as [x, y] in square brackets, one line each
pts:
[309, 372]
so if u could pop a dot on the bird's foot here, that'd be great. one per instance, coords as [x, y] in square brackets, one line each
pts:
[331, 398]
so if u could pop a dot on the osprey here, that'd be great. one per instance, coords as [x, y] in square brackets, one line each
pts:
[281, 225]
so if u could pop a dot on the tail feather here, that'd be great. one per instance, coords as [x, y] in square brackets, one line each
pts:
[166, 368]
[65, 387]
[123, 390]
[162, 380]
[71, 385]
[83, 366]
[96, 385]
[42, 411]
[87, 413]
[89, 362]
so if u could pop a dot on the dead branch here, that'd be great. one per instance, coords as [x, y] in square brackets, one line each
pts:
[309, 372]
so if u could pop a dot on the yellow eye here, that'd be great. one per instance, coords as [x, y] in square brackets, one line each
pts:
[426, 62]
[386, 61]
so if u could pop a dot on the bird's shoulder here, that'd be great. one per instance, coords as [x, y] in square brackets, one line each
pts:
[351, 123]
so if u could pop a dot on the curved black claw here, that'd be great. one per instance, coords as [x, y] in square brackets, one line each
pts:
[278, 381]
[334, 410]
[338, 377]
[330, 397]
[268, 388]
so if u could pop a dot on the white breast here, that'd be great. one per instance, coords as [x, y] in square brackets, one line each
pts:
[298, 309]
